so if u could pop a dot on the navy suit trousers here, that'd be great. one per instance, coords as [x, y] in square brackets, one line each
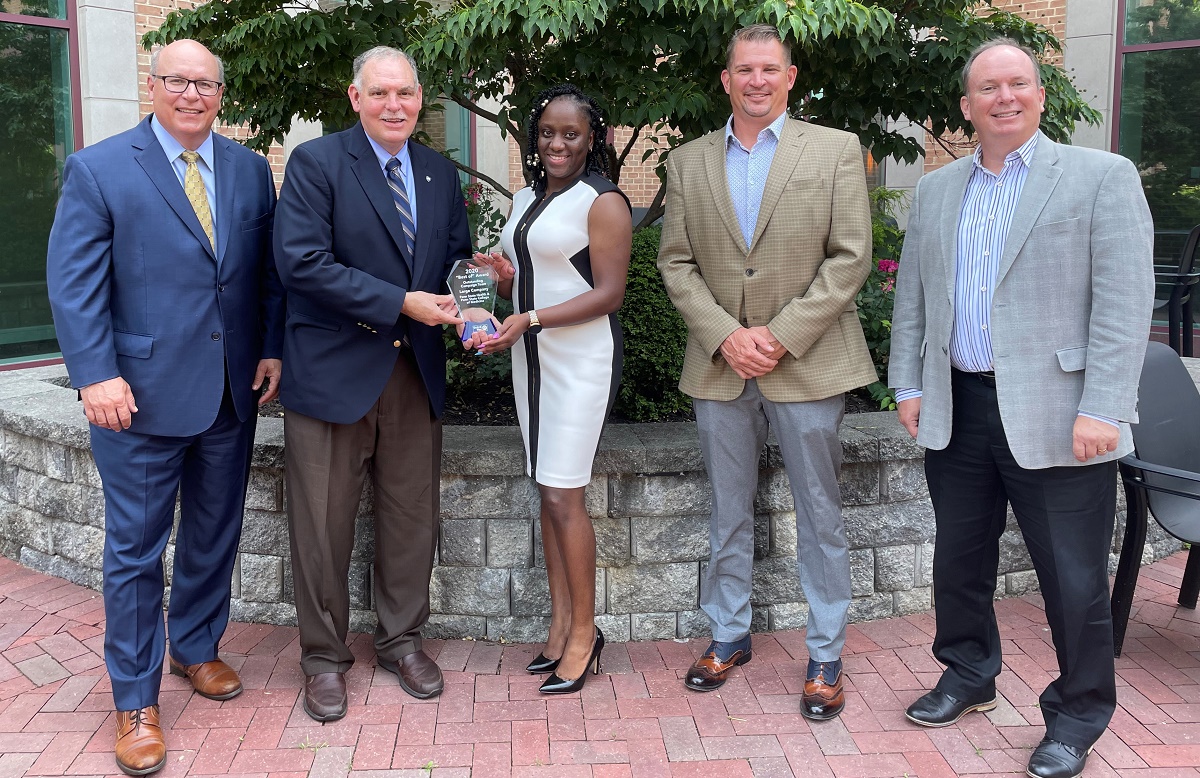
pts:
[142, 474]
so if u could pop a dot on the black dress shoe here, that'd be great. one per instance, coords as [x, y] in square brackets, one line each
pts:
[710, 670]
[541, 664]
[556, 685]
[419, 675]
[325, 696]
[938, 709]
[1053, 759]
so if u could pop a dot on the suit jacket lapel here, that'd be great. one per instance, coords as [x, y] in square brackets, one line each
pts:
[1039, 185]
[370, 177]
[426, 206]
[787, 156]
[957, 178]
[225, 173]
[714, 163]
[154, 162]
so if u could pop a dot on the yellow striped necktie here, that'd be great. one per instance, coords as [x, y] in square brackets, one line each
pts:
[193, 187]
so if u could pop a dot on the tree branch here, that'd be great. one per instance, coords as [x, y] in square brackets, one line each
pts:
[637, 131]
[493, 183]
[656, 207]
[946, 145]
[482, 113]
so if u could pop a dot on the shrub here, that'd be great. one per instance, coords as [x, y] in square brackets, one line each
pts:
[655, 335]
[471, 379]
[876, 298]
[483, 217]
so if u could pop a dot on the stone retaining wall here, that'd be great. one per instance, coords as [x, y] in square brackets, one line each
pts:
[649, 503]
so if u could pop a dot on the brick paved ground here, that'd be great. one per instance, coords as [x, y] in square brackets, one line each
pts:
[635, 720]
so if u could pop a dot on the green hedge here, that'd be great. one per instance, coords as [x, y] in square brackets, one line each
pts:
[655, 335]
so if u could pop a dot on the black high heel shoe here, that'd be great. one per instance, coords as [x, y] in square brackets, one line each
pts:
[541, 664]
[556, 685]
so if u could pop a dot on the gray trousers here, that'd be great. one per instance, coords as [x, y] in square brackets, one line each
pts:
[732, 436]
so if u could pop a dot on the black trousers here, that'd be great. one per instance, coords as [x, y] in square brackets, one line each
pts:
[1066, 517]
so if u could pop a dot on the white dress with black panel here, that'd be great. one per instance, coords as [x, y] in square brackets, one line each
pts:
[565, 379]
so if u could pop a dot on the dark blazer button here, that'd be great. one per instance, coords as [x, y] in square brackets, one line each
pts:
[749, 271]
[216, 336]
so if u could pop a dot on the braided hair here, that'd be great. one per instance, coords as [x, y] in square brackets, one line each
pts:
[597, 158]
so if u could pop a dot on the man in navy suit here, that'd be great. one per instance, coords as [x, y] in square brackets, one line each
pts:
[368, 226]
[169, 314]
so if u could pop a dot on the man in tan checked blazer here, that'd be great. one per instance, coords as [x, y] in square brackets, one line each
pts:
[767, 239]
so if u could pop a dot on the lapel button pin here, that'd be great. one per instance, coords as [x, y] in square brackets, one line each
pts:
[427, 178]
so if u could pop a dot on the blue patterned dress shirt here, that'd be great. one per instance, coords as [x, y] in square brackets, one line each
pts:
[746, 171]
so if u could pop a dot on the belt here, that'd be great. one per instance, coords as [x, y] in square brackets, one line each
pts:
[987, 377]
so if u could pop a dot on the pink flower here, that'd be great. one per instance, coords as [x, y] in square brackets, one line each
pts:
[889, 284]
[889, 265]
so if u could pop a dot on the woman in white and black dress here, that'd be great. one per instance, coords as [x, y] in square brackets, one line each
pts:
[566, 254]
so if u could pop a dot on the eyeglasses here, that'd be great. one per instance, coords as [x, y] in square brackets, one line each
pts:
[178, 85]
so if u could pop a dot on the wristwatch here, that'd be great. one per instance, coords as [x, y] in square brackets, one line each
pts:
[535, 326]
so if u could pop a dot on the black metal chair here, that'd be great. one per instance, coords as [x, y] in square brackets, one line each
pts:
[1174, 288]
[1162, 476]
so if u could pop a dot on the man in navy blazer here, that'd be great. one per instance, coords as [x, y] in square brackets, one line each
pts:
[169, 314]
[368, 226]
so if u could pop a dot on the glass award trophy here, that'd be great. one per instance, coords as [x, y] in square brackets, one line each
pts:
[473, 285]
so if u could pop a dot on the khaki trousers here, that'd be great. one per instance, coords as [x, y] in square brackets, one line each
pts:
[400, 443]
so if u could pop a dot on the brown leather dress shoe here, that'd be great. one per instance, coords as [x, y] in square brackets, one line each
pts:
[214, 680]
[325, 696]
[823, 696]
[710, 671]
[419, 675]
[140, 748]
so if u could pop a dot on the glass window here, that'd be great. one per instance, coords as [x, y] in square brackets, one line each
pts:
[52, 9]
[458, 136]
[1161, 21]
[35, 138]
[1160, 132]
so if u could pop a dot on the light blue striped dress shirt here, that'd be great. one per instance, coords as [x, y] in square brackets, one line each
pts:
[983, 224]
[747, 169]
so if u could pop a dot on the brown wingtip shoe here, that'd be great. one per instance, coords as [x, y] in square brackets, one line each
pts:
[140, 748]
[214, 680]
[710, 671]
[823, 696]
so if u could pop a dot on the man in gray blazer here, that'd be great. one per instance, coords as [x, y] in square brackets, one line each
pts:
[1022, 313]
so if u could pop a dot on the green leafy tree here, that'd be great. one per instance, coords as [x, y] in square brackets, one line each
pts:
[653, 65]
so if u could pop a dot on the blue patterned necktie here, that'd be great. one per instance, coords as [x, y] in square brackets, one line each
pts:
[395, 179]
